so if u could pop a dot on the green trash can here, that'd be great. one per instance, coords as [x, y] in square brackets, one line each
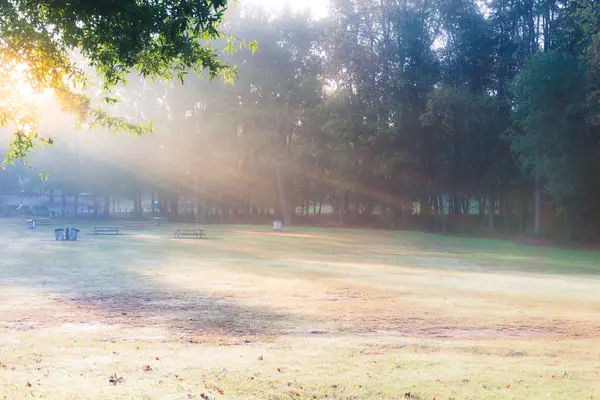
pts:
[72, 233]
[59, 234]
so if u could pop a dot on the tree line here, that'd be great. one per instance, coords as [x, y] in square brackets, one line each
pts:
[443, 115]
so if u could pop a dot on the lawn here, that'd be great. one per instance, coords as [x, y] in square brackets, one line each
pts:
[304, 314]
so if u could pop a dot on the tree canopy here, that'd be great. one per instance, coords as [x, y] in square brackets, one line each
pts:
[49, 46]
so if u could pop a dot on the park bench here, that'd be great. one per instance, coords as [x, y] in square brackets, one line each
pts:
[106, 230]
[137, 225]
[198, 233]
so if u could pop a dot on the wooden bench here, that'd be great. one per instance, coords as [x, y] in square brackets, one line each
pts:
[198, 233]
[106, 230]
[137, 225]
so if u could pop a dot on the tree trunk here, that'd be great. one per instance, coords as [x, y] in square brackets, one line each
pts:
[340, 208]
[175, 208]
[64, 201]
[76, 203]
[537, 196]
[425, 210]
[152, 207]
[522, 216]
[343, 206]
[195, 207]
[506, 212]
[95, 199]
[491, 211]
[282, 201]
[436, 211]
[106, 210]
[440, 199]
[481, 209]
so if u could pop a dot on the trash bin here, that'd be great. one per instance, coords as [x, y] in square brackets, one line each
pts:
[73, 232]
[31, 223]
[158, 221]
[277, 225]
[59, 234]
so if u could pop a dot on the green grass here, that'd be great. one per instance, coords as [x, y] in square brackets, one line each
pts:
[309, 313]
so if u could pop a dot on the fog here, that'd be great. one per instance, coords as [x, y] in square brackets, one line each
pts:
[395, 114]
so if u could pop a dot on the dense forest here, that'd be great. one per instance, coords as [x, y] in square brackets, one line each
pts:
[442, 115]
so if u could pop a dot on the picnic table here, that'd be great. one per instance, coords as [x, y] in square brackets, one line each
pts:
[137, 225]
[106, 230]
[198, 233]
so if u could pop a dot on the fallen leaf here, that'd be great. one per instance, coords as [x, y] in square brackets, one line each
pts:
[115, 379]
[260, 358]
[507, 386]
[147, 368]
[28, 384]
[157, 358]
[278, 369]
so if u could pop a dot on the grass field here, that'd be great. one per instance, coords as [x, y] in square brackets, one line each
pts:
[304, 314]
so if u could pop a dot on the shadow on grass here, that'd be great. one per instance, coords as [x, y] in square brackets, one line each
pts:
[109, 277]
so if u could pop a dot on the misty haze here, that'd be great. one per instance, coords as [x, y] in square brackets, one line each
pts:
[343, 199]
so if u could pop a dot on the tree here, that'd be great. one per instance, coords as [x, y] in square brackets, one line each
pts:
[550, 129]
[43, 44]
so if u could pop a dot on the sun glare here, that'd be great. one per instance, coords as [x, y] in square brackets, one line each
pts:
[16, 86]
[22, 86]
[18, 98]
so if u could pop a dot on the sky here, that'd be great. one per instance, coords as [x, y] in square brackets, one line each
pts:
[317, 7]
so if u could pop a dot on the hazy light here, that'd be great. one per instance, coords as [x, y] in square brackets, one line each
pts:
[318, 8]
